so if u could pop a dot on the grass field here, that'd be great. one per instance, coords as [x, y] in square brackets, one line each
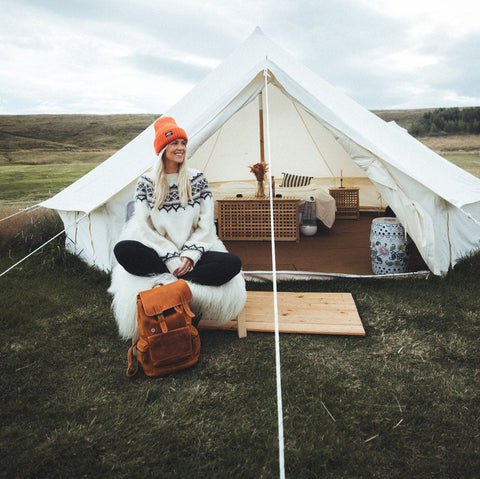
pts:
[401, 402]
[65, 134]
[462, 144]
[42, 154]
[25, 185]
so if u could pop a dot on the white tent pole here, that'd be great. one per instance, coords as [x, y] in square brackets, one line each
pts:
[281, 446]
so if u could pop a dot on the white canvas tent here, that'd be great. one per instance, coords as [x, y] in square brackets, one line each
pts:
[315, 130]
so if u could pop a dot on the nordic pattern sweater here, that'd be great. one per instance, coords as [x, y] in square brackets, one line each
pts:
[173, 230]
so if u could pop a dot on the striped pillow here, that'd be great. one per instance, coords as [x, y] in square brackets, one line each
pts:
[290, 180]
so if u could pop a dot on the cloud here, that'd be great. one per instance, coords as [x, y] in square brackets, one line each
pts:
[462, 65]
[457, 18]
[190, 26]
[121, 56]
[177, 69]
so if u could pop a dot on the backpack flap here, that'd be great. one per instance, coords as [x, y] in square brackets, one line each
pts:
[157, 300]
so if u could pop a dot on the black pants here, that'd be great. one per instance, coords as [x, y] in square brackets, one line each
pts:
[213, 268]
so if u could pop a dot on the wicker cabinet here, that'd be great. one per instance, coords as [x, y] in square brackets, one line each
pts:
[248, 218]
[347, 202]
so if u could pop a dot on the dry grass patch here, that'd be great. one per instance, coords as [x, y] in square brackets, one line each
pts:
[69, 132]
[48, 157]
[469, 162]
[403, 117]
[452, 143]
[27, 231]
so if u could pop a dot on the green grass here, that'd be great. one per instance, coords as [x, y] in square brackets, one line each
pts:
[42, 154]
[29, 184]
[401, 402]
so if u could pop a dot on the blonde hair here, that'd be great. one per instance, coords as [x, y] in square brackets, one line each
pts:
[161, 183]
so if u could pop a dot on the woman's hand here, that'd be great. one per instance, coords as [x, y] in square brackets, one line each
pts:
[187, 266]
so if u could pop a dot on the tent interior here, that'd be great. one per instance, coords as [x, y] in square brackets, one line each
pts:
[299, 145]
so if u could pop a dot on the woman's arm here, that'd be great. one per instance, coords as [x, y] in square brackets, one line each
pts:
[141, 226]
[204, 231]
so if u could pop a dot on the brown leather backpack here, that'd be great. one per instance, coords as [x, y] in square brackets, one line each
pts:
[168, 340]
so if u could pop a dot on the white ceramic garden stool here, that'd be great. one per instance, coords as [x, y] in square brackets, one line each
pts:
[389, 246]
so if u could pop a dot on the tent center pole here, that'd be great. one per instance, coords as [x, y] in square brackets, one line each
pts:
[260, 124]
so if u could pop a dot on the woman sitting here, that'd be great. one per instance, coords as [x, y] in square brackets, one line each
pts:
[173, 228]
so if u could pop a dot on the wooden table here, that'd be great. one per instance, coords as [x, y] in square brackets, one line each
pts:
[347, 202]
[248, 218]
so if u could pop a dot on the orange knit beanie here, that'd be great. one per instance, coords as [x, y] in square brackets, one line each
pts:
[166, 130]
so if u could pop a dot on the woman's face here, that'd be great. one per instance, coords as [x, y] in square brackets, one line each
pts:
[175, 155]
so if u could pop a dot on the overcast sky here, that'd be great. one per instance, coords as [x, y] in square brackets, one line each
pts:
[142, 56]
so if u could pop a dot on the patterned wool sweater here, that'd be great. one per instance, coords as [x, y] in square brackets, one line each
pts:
[172, 230]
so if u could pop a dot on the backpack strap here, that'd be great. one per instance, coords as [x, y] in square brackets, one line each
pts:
[163, 324]
[184, 308]
[132, 368]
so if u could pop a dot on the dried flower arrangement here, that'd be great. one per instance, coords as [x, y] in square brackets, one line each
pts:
[260, 171]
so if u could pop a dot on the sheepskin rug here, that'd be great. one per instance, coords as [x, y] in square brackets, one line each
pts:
[218, 303]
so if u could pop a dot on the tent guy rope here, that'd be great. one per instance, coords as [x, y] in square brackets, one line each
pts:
[24, 210]
[281, 446]
[39, 248]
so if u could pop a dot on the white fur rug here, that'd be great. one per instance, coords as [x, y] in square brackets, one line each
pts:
[219, 303]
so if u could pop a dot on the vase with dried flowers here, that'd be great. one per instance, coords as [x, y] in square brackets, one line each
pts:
[260, 171]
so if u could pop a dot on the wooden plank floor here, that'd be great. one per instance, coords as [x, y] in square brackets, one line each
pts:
[308, 313]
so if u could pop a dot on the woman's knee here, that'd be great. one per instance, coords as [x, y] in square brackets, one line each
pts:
[231, 265]
[228, 260]
[236, 263]
[137, 258]
[121, 250]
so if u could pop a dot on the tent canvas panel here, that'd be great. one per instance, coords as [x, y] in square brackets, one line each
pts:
[298, 143]
[229, 151]
[92, 236]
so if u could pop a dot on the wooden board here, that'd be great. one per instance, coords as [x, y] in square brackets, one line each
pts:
[308, 313]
